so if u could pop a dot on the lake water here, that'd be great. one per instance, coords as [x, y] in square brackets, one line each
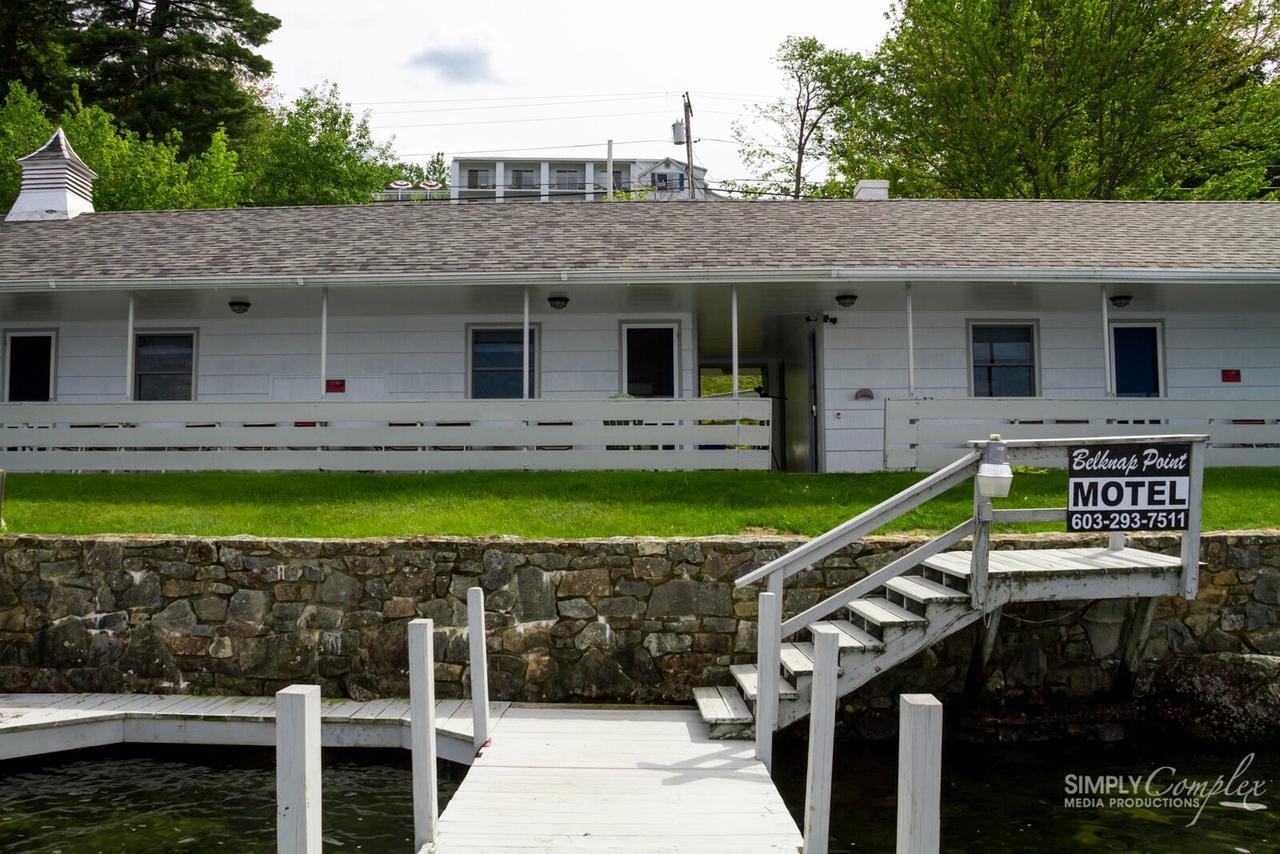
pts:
[995, 799]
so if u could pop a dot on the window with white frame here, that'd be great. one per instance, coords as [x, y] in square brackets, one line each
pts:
[164, 366]
[1003, 359]
[495, 363]
[567, 179]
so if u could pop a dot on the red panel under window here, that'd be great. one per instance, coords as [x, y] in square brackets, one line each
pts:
[335, 386]
[1231, 375]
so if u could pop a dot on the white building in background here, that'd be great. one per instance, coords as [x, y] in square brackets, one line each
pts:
[527, 179]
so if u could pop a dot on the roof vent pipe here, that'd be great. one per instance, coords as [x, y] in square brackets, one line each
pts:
[56, 184]
[871, 191]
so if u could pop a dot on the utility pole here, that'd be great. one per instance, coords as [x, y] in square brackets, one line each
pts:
[608, 169]
[688, 145]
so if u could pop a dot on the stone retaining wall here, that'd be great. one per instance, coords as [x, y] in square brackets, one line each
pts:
[622, 620]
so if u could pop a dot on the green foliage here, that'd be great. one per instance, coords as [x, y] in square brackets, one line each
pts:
[1096, 99]
[133, 173]
[316, 151]
[160, 65]
[35, 37]
[793, 133]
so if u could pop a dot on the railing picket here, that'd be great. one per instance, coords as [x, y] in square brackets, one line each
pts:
[479, 667]
[981, 547]
[822, 724]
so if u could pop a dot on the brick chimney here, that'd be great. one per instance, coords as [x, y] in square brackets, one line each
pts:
[55, 183]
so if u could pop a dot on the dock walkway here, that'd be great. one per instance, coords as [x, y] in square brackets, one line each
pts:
[551, 778]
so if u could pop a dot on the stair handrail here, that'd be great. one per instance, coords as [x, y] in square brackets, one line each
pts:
[867, 521]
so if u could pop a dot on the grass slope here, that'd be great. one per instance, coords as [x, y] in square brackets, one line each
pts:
[537, 504]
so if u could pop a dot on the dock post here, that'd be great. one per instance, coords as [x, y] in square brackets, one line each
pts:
[479, 667]
[1191, 536]
[298, 800]
[919, 773]
[422, 731]
[822, 725]
[768, 655]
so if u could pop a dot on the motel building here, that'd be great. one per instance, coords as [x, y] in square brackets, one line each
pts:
[863, 334]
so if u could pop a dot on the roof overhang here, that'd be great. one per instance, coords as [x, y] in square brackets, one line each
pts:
[724, 276]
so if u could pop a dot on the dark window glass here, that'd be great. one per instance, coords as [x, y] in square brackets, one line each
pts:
[1137, 359]
[651, 362]
[164, 367]
[30, 374]
[1003, 361]
[495, 363]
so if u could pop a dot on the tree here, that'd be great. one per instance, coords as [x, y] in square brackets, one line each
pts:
[797, 127]
[1068, 99]
[133, 173]
[316, 151]
[157, 65]
[34, 39]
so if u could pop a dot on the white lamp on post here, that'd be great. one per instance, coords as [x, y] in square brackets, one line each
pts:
[995, 476]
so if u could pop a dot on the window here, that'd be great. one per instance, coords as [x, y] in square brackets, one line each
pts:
[659, 180]
[495, 363]
[477, 179]
[29, 373]
[1135, 357]
[649, 361]
[617, 179]
[522, 179]
[164, 366]
[1003, 360]
[566, 179]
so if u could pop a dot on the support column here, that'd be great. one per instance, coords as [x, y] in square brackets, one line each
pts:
[454, 180]
[524, 349]
[544, 180]
[911, 348]
[822, 724]
[298, 799]
[129, 348]
[919, 773]
[589, 177]
[324, 343]
[479, 668]
[422, 728]
[733, 318]
[499, 179]
[1107, 384]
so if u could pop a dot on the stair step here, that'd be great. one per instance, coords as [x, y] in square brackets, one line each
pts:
[853, 637]
[882, 612]
[924, 590]
[797, 659]
[721, 705]
[748, 678]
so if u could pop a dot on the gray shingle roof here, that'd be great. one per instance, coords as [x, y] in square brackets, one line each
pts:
[648, 236]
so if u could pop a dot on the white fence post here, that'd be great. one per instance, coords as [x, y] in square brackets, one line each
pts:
[479, 667]
[919, 773]
[822, 724]
[1191, 536]
[422, 731]
[298, 770]
[768, 660]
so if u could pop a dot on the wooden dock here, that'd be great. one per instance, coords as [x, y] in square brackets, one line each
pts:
[551, 778]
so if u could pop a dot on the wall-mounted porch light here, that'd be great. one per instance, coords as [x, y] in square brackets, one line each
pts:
[1121, 300]
[557, 301]
[846, 300]
[238, 306]
[995, 476]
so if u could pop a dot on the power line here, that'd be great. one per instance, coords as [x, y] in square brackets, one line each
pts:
[526, 120]
[537, 147]
[519, 106]
[508, 98]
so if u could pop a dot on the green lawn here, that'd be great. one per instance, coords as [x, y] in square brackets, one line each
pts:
[541, 504]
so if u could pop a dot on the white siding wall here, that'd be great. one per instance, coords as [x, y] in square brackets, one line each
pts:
[867, 349]
[382, 357]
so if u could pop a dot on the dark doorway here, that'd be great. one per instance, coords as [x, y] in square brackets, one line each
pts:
[30, 369]
[650, 361]
[813, 401]
[1137, 360]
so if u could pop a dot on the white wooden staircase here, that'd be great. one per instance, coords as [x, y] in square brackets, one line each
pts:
[929, 593]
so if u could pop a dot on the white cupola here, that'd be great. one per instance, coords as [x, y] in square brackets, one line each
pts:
[55, 183]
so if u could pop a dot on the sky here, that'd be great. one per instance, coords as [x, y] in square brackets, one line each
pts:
[489, 75]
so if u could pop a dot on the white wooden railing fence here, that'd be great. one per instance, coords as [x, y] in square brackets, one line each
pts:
[397, 436]
[926, 434]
